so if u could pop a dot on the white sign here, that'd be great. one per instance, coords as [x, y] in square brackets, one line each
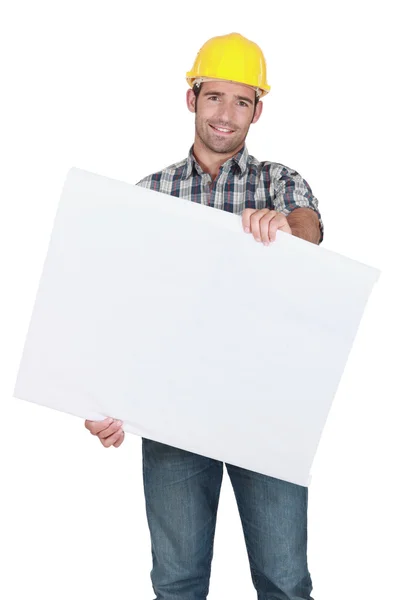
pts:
[163, 313]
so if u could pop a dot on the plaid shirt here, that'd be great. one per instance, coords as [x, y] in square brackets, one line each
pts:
[242, 182]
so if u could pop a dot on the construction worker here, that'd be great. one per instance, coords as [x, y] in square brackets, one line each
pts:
[226, 84]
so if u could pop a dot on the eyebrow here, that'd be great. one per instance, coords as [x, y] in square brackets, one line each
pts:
[244, 98]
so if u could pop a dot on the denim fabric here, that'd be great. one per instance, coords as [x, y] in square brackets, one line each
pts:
[182, 493]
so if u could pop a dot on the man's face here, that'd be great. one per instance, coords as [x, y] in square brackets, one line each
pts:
[224, 114]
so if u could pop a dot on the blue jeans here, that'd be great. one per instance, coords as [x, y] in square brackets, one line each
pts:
[182, 493]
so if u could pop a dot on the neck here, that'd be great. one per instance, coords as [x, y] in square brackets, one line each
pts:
[211, 161]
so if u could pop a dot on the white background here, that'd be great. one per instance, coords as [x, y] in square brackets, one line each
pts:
[100, 86]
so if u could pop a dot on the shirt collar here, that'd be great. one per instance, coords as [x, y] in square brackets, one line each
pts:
[240, 159]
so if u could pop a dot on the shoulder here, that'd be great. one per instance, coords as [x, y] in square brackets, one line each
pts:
[276, 170]
[271, 170]
[165, 176]
[280, 177]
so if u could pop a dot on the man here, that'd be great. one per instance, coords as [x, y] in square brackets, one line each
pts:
[181, 488]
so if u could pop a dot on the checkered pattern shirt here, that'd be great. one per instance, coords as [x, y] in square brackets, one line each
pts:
[242, 182]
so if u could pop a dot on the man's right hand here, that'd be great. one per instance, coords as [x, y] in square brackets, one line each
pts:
[109, 431]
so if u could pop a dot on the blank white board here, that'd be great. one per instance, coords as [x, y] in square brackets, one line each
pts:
[163, 313]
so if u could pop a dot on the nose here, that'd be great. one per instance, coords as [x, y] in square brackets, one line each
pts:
[225, 112]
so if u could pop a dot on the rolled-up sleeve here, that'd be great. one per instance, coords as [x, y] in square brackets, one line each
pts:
[291, 191]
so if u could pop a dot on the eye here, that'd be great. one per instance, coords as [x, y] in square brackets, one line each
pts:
[242, 103]
[211, 97]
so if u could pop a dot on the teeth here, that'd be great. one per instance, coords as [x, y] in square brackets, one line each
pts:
[224, 130]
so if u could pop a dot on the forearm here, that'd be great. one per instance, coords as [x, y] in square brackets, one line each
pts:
[304, 224]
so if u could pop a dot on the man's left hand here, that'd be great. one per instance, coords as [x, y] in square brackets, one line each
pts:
[264, 224]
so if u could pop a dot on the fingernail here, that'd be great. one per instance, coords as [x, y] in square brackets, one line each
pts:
[266, 243]
[258, 239]
[247, 230]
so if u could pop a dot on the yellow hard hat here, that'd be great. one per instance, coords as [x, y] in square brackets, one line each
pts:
[231, 57]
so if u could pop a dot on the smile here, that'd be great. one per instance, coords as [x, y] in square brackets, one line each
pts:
[222, 130]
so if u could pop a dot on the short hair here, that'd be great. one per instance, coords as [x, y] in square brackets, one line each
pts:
[196, 90]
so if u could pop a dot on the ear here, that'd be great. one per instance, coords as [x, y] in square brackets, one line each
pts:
[258, 111]
[191, 100]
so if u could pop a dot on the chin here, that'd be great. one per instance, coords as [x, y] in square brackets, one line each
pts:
[225, 149]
